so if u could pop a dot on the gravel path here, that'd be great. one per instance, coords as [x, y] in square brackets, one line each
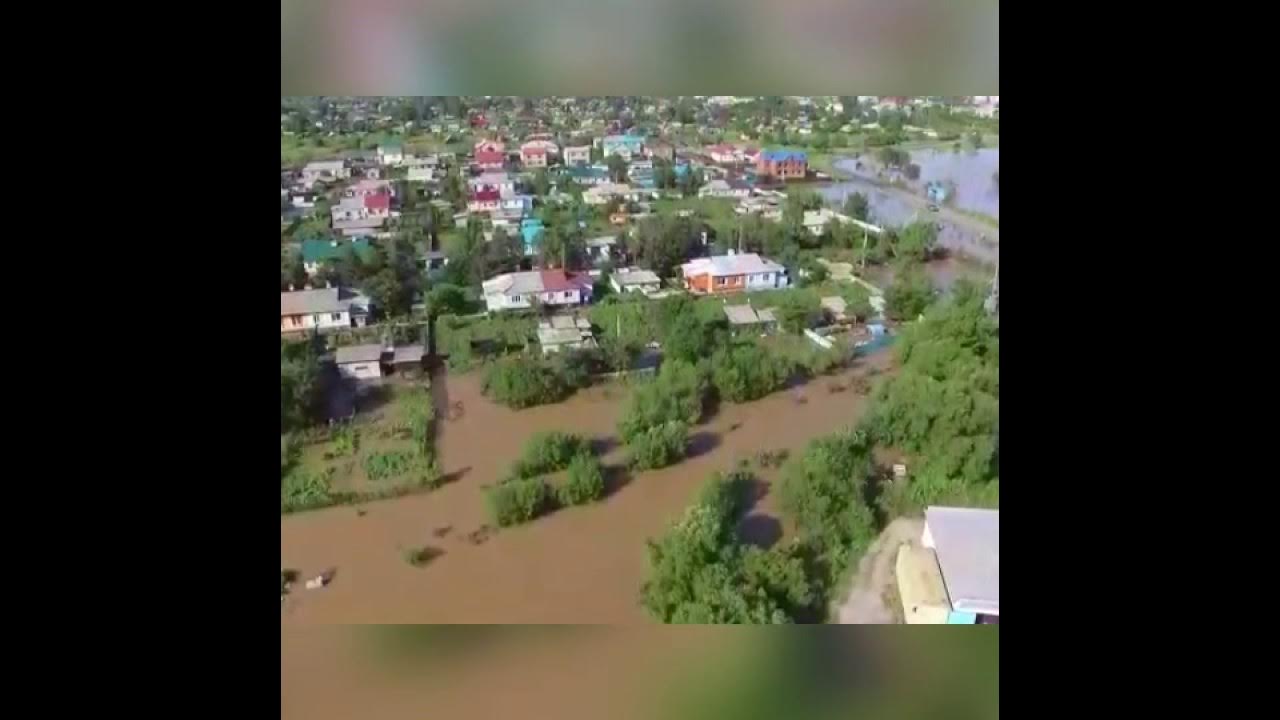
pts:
[865, 604]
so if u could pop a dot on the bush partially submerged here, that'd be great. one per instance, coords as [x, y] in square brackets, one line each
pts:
[747, 372]
[518, 501]
[522, 382]
[678, 393]
[548, 452]
[585, 483]
[659, 446]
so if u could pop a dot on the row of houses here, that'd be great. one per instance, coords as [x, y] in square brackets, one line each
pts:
[717, 275]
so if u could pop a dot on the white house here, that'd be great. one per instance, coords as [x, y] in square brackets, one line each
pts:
[318, 309]
[500, 181]
[724, 189]
[512, 291]
[635, 280]
[390, 154]
[325, 171]
[359, 362]
[577, 155]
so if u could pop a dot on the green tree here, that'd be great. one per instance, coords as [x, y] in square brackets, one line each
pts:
[541, 183]
[585, 482]
[617, 168]
[857, 206]
[917, 242]
[909, 295]
[746, 372]
[301, 384]
[857, 301]
[658, 446]
[291, 270]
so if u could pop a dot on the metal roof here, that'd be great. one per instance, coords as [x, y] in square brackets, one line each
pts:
[967, 542]
[357, 353]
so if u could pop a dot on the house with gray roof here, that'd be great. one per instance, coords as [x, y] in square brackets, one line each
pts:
[953, 576]
[321, 309]
[359, 362]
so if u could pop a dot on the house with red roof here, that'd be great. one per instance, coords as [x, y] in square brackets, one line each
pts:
[521, 290]
[533, 156]
[484, 200]
[489, 160]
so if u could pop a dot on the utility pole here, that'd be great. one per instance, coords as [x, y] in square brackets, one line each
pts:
[864, 250]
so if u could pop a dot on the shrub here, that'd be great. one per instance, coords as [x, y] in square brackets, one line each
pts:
[825, 490]
[523, 382]
[301, 489]
[659, 446]
[747, 372]
[585, 483]
[699, 574]
[345, 443]
[518, 501]
[548, 452]
[678, 393]
[421, 557]
[380, 466]
[289, 451]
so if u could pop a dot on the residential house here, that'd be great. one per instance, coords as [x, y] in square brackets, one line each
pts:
[767, 207]
[628, 146]
[815, 221]
[490, 146]
[316, 251]
[324, 171]
[500, 181]
[391, 153]
[732, 273]
[489, 160]
[588, 175]
[662, 150]
[361, 213]
[723, 154]
[577, 155]
[601, 248]
[533, 156]
[565, 332]
[953, 576]
[421, 169]
[627, 280]
[513, 207]
[521, 290]
[485, 200]
[359, 362]
[783, 164]
[530, 233]
[725, 189]
[320, 309]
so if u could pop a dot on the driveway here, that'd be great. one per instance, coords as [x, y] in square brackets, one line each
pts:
[865, 604]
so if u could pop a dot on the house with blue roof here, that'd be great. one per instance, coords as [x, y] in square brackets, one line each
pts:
[783, 164]
[936, 191]
[531, 230]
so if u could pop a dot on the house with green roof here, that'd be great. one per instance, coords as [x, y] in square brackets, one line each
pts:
[317, 251]
[390, 152]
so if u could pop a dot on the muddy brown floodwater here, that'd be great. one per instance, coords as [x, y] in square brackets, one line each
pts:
[577, 565]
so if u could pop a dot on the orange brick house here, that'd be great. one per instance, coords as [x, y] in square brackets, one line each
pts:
[732, 273]
[782, 164]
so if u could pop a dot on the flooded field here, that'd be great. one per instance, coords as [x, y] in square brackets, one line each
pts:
[578, 565]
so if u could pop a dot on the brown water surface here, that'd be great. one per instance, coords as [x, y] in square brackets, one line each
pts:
[578, 565]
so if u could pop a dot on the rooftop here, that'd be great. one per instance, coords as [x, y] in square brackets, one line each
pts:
[308, 302]
[723, 265]
[357, 354]
[967, 542]
[784, 155]
[741, 315]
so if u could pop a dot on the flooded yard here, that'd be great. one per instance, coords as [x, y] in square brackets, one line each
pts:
[577, 565]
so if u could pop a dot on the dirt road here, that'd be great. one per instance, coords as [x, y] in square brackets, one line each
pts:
[866, 605]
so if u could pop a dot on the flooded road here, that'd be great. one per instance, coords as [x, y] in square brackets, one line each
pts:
[577, 565]
[975, 190]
